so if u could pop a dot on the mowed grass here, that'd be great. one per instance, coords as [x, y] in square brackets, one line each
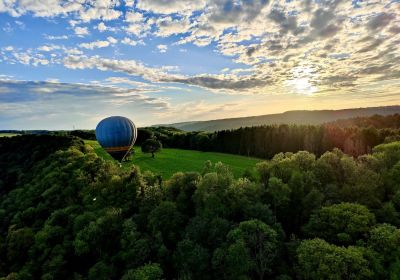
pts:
[8, 134]
[170, 161]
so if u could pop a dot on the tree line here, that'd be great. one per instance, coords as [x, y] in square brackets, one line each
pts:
[266, 141]
[68, 214]
[377, 121]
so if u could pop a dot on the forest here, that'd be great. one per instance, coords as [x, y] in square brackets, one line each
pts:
[355, 136]
[68, 214]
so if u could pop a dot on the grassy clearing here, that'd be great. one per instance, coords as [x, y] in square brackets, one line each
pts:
[8, 134]
[170, 161]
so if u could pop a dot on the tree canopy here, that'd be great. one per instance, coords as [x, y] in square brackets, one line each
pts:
[152, 146]
[68, 214]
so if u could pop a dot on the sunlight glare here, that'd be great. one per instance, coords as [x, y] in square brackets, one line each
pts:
[301, 80]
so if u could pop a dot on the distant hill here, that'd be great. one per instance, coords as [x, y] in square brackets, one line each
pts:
[289, 117]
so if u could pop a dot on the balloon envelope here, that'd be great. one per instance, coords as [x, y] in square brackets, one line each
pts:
[116, 135]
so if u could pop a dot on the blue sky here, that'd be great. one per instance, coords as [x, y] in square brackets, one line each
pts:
[70, 63]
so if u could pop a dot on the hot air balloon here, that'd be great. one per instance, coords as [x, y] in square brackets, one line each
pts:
[116, 135]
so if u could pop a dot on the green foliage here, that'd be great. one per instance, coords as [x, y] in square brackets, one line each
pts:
[317, 259]
[191, 260]
[353, 136]
[68, 214]
[166, 220]
[151, 271]
[260, 242]
[100, 271]
[152, 146]
[279, 191]
[385, 240]
[343, 223]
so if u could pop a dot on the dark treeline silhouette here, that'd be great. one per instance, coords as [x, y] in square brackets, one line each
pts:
[377, 121]
[266, 141]
[67, 214]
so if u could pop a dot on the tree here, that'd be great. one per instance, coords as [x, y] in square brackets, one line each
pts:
[166, 220]
[18, 243]
[135, 247]
[151, 271]
[385, 240]
[191, 260]
[152, 146]
[342, 223]
[100, 270]
[317, 259]
[252, 246]
[279, 192]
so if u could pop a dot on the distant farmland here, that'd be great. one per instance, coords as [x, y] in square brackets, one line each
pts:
[170, 161]
[8, 134]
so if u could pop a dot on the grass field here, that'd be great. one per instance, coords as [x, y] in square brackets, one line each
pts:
[170, 161]
[8, 134]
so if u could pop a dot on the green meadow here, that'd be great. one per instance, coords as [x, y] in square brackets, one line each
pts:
[8, 134]
[169, 161]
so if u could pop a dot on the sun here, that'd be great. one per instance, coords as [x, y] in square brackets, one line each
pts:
[301, 80]
[302, 86]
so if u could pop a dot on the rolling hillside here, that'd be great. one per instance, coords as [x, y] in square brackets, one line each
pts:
[290, 117]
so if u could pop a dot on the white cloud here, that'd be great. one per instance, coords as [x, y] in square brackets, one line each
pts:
[137, 29]
[36, 61]
[105, 14]
[130, 67]
[133, 17]
[123, 80]
[101, 27]
[128, 41]
[98, 44]
[73, 23]
[112, 40]
[171, 6]
[23, 58]
[129, 3]
[48, 8]
[61, 37]
[81, 31]
[344, 46]
[162, 48]
[168, 26]
[82, 105]
[227, 82]
[49, 48]
[84, 10]
[73, 51]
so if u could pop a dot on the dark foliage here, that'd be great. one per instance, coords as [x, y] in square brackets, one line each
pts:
[377, 121]
[67, 214]
[353, 136]
[152, 146]
[84, 134]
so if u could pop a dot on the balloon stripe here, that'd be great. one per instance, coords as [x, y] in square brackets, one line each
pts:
[117, 149]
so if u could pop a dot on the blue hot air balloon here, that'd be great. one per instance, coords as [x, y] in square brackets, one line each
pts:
[116, 135]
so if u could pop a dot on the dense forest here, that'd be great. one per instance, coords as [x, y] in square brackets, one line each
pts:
[377, 121]
[356, 136]
[68, 214]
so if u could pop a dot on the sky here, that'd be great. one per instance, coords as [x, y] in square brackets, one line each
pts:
[67, 64]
